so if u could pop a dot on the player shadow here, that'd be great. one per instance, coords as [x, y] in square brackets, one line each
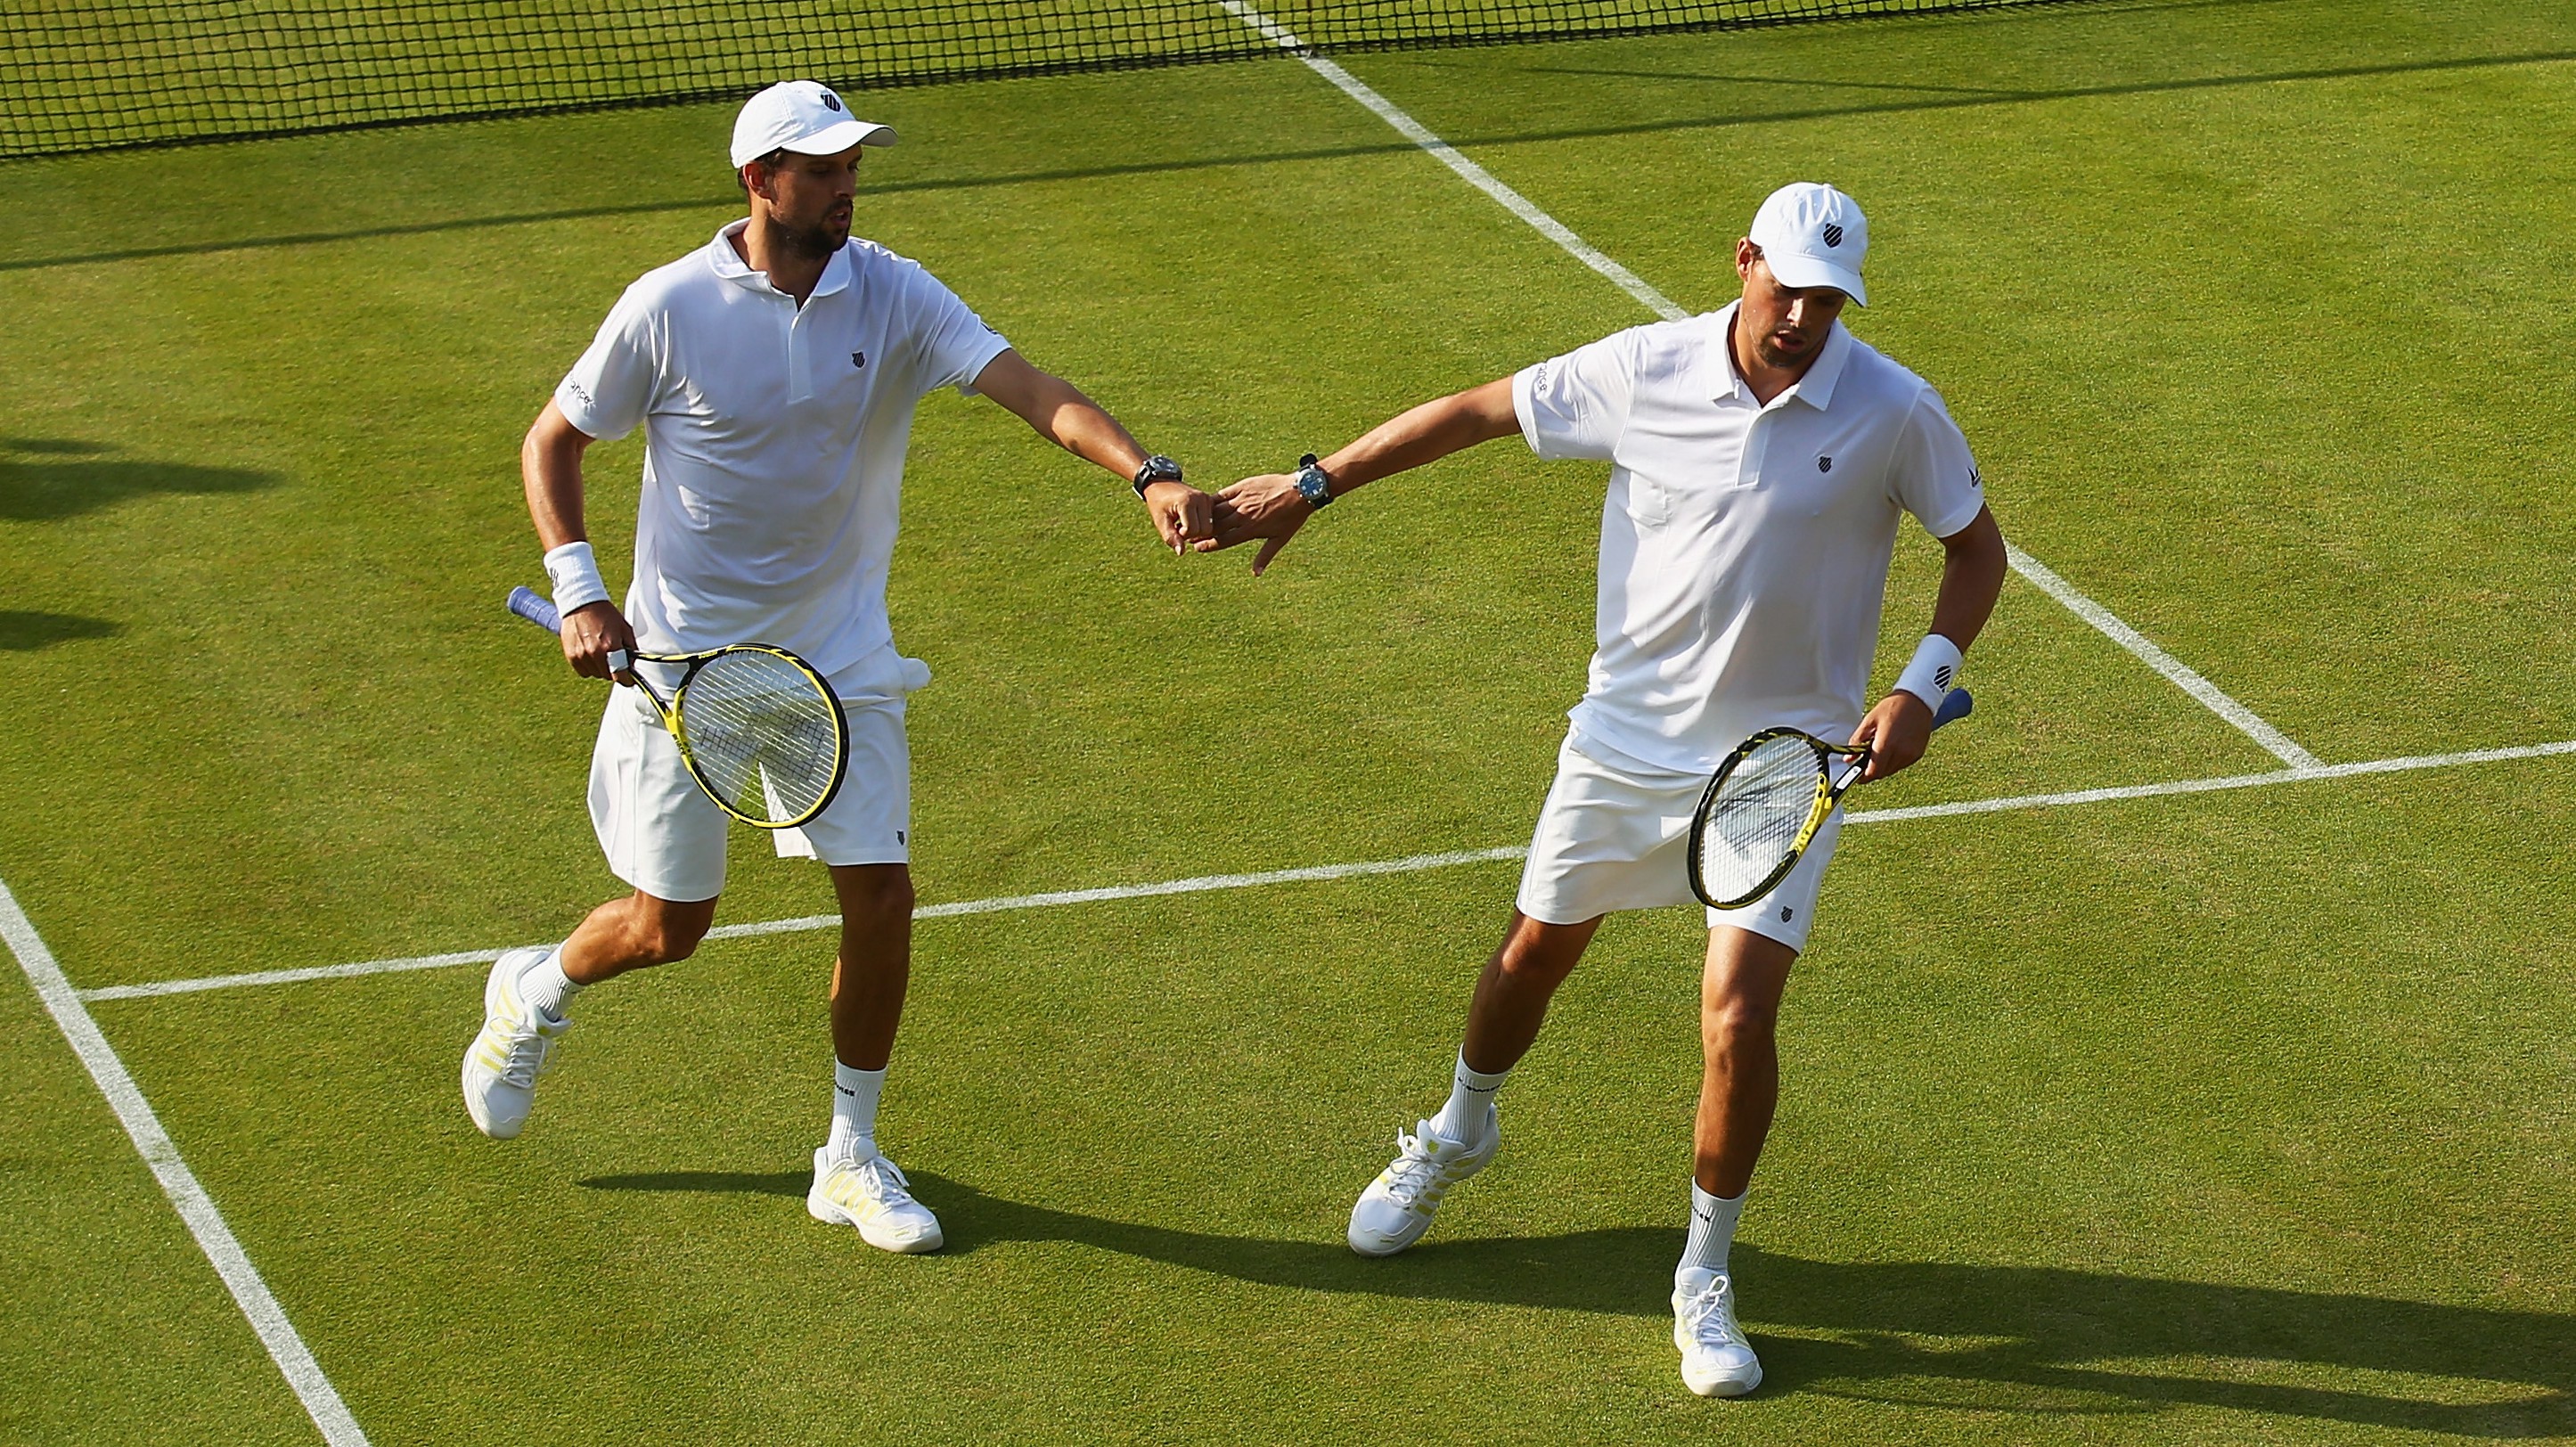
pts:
[45, 478]
[27, 632]
[1982, 1339]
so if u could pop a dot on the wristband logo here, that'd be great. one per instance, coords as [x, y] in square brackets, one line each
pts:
[1942, 675]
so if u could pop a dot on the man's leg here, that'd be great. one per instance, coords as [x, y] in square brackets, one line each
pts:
[1503, 1019]
[854, 1184]
[529, 991]
[1739, 1010]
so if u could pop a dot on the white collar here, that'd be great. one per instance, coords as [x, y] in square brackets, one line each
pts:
[728, 263]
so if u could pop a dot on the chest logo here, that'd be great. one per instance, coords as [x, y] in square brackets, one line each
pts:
[1824, 464]
[858, 359]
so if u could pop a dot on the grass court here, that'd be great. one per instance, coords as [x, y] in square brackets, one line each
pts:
[2233, 1115]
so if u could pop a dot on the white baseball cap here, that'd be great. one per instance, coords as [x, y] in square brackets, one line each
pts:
[1813, 235]
[803, 116]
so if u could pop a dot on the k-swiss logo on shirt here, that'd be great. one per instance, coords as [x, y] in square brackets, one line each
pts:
[1824, 464]
[1975, 478]
[1833, 234]
[1785, 912]
[858, 359]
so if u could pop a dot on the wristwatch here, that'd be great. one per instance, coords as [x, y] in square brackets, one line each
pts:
[1156, 468]
[1313, 483]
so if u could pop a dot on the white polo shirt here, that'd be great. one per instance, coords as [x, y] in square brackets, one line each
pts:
[773, 444]
[1744, 548]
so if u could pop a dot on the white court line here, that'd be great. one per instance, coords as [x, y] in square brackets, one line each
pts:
[2273, 740]
[2182, 676]
[195, 1207]
[1407, 865]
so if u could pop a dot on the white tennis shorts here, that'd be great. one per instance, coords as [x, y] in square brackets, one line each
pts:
[666, 838]
[1615, 835]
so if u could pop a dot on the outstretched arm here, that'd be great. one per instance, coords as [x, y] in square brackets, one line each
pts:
[1062, 415]
[1972, 577]
[1269, 507]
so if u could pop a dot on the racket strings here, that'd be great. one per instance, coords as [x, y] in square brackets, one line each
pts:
[1757, 815]
[764, 736]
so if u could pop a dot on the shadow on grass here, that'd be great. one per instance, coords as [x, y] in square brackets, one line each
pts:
[1926, 1333]
[27, 632]
[1902, 99]
[43, 478]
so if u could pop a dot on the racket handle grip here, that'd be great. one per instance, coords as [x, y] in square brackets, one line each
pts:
[526, 603]
[1955, 705]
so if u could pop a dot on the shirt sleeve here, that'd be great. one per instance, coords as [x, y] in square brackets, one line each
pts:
[608, 391]
[1934, 477]
[956, 344]
[1576, 405]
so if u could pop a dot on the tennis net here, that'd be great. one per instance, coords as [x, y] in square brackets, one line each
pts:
[86, 75]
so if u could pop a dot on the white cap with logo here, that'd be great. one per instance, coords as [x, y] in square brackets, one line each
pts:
[1813, 235]
[803, 116]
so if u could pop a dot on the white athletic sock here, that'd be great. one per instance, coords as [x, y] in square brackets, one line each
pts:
[1712, 1231]
[854, 1111]
[545, 986]
[1471, 1093]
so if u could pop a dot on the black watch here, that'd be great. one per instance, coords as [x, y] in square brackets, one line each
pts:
[1156, 468]
[1313, 483]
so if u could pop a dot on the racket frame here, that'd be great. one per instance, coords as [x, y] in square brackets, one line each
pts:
[1829, 792]
[526, 603]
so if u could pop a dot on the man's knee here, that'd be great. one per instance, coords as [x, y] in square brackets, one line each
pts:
[1730, 1024]
[1535, 952]
[663, 932]
[876, 898]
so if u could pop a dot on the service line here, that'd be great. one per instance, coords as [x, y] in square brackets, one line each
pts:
[2209, 695]
[1410, 864]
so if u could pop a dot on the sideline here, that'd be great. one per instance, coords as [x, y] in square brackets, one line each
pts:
[195, 1207]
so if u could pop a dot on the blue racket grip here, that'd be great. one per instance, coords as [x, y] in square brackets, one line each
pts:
[526, 603]
[1955, 705]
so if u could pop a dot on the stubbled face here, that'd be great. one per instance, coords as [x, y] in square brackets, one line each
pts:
[1786, 325]
[809, 199]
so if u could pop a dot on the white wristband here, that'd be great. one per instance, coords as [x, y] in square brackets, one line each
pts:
[1934, 669]
[575, 575]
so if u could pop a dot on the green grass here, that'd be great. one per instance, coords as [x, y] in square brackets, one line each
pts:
[2213, 1118]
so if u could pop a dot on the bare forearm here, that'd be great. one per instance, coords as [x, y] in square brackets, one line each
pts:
[1972, 577]
[1425, 434]
[1072, 421]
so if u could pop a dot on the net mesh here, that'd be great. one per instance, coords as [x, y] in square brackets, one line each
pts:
[83, 75]
[762, 735]
[1756, 817]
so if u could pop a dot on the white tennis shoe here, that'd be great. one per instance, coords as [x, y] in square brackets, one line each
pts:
[503, 1063]
[874, 1196]
[1716, 1359]
[1397, 1207]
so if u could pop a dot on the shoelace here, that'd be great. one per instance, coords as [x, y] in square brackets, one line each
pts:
[1705, 1318]
[1415, 1170]
[529, 1053]
[881, 1180]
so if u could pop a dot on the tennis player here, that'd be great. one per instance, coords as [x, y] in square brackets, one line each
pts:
[1761, 457]
[775, 372]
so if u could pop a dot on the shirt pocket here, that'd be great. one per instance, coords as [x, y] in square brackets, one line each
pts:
[1650, 503]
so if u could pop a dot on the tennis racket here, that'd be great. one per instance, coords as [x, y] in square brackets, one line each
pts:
[1767, 802]
[758, 728]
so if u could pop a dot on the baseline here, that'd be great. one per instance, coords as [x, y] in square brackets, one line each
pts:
[1409, 864]
[2237, 715]
[321, 1400]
